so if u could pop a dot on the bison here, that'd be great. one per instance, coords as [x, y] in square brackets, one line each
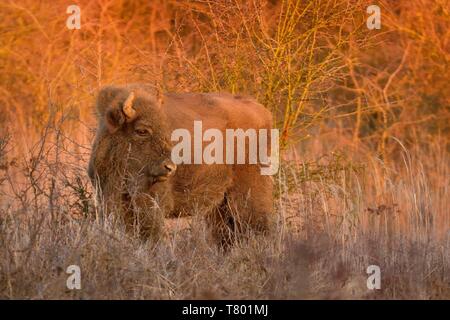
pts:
[132, 168]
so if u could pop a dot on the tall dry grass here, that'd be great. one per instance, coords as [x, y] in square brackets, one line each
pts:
[364, 119]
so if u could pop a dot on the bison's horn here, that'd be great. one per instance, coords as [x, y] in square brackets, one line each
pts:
[128, 106]
[159, 96]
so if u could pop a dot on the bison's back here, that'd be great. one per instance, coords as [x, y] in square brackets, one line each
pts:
[215, 110]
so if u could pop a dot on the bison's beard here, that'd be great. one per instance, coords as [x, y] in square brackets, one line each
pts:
[141, 205]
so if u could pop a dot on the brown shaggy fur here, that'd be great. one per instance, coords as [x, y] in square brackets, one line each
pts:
[233, 198]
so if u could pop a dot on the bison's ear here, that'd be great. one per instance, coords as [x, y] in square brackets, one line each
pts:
[114, 119]
[105, 98]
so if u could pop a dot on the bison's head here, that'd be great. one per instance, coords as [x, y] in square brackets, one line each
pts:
[133, 141]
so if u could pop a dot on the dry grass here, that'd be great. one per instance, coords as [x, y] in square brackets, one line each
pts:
[336, 217]
[365, 122]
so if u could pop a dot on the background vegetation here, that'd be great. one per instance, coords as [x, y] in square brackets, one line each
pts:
[364, 116]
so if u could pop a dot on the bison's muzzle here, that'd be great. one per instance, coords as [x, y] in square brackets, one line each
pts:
[162, 172]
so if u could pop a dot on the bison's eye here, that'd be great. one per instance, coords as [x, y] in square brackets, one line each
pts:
[142, 132]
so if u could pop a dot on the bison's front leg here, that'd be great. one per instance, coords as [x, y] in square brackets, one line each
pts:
[142, 217]
[146, 212]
